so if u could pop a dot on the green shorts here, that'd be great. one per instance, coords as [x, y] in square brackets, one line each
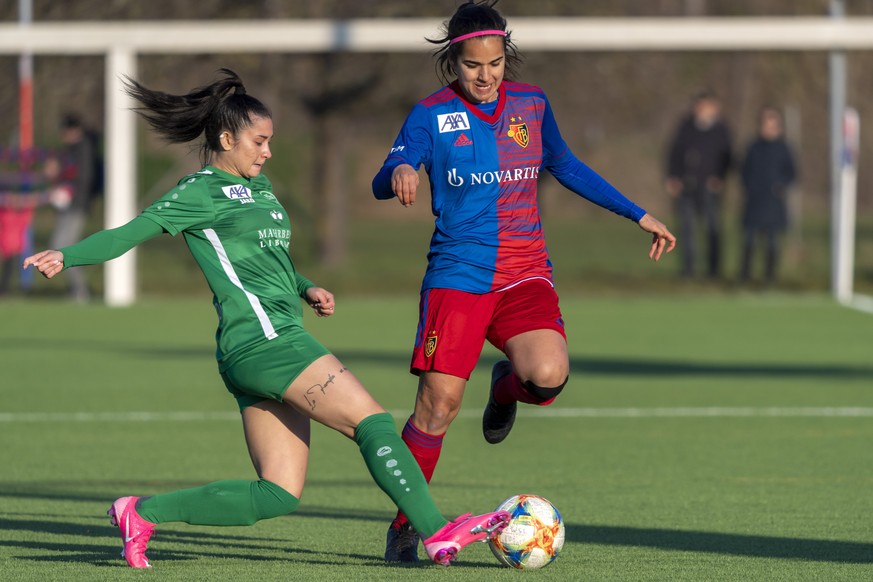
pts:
[265, 372]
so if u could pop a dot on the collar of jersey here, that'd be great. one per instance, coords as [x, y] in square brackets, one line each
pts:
[501, 101]
[229, 176]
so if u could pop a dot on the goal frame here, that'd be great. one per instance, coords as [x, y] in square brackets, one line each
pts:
[121, 43]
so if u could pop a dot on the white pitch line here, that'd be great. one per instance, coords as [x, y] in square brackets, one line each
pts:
[531, 412]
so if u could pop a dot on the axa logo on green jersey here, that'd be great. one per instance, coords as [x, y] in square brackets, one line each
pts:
[457, 121]
[274, 237]
[494, 176]
[238, 192]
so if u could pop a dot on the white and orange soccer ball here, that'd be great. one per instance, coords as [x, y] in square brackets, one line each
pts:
[534, 536]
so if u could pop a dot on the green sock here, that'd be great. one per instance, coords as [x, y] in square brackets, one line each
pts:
[397, 473]
[220, 503]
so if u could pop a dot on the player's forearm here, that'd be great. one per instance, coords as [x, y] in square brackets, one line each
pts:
[578, 177]
[110, 244]
[382, 189]
[303, 284]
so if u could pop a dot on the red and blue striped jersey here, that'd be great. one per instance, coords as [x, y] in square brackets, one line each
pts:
[483, 171]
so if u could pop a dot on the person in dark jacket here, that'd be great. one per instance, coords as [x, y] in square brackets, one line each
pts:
[80, 170]
[768, 171]
[698, 160]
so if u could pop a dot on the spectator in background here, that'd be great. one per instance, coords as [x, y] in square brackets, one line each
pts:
[16, 214]
[22, 190]
[698, 161]
[82, 171]
[768, 171]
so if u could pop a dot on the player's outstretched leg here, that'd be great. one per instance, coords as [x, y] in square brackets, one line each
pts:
[401, 544]
[443, 546]
[497, 420]
[135, 531]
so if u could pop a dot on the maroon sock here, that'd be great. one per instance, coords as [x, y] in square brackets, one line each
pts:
[509, 389]
[426, 449]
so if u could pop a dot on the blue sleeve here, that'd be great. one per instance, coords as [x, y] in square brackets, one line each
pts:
[578, 177]
[413, 146]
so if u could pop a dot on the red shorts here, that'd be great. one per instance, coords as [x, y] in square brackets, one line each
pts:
[453, 325]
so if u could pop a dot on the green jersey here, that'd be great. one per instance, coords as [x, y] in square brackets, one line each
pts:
[240, 236]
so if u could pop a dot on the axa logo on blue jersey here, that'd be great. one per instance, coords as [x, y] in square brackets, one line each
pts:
[453, 121]
[238, 192]
[493, 177]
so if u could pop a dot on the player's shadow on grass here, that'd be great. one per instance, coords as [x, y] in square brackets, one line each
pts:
[724, 543]
[104, 493]
[98, 555]
[204, 544]
[647, 367]
[109, 556]
[83, 529]
[131, 348]
[578, 365]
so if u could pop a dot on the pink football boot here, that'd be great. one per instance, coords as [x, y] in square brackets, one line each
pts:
[135, 531]
[443, 546]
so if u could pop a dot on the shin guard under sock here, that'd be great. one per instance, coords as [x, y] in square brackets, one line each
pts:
[397, 473]
[426, 449]
[220, 503]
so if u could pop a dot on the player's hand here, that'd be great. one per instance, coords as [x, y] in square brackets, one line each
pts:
[61, 197]
[49, 263]
[321, 301]
[404, 183]
[662, 239]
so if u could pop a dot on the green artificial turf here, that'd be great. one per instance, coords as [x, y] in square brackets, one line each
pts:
[699, 438]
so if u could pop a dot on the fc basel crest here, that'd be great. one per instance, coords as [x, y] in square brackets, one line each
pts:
[518, 131]
[430, 344]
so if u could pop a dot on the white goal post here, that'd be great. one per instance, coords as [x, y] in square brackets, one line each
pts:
[122, 42]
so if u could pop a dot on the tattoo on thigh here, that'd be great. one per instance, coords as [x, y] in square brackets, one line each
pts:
[314, 393]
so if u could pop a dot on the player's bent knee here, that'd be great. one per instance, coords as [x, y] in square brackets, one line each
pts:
[436, 415]
[546, 395]
[270, 500]
[547, 374]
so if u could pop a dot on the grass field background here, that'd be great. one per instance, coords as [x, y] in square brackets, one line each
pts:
[595, 254]
[700, 438]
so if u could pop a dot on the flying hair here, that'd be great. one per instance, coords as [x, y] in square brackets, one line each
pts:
[221, 106]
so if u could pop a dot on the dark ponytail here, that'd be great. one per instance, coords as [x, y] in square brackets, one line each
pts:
[471, 17]
[220, 106]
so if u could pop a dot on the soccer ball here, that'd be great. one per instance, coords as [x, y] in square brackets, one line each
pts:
[534, 536]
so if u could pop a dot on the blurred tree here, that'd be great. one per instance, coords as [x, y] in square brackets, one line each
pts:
[341, 111]
[695, 7]
[335, 90]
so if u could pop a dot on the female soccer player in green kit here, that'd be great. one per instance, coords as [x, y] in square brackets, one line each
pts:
[280, 375]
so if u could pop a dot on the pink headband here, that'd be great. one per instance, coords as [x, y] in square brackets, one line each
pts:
[464, 37]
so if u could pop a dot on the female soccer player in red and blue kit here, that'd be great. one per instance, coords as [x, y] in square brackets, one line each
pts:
[483, 141]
